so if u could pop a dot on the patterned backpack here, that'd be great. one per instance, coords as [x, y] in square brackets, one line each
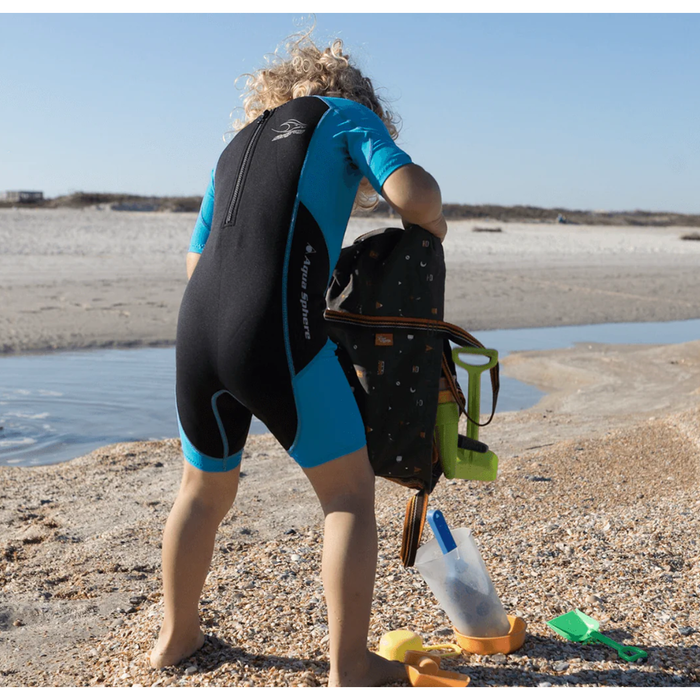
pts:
[385, 306]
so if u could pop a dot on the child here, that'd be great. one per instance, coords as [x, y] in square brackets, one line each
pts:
[251, 340]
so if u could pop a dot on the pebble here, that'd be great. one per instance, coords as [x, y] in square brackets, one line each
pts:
[686, 631]
[499, 658]
[561, 666]
[190, 670]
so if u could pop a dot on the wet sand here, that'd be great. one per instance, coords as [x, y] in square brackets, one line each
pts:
[596, 505]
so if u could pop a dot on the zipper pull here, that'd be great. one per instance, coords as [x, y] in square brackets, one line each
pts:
[264, 116]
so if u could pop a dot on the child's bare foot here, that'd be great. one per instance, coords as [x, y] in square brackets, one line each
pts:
[168, 652]
[375, 671]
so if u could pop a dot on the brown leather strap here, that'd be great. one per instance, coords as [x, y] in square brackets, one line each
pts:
[413, 523]
[454, 333]
[459, 396]
[452, 385]
[461, 337]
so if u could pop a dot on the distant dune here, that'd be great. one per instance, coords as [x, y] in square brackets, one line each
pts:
[486, 212]
[117, 202]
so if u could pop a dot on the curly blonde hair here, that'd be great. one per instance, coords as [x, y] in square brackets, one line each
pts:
[309, 70]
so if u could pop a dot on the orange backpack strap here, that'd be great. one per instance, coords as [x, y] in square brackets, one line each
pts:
[413, 523]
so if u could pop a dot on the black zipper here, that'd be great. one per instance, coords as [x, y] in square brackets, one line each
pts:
[242, 171]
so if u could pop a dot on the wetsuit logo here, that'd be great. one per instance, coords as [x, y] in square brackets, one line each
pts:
[304, 300]
[293, 126]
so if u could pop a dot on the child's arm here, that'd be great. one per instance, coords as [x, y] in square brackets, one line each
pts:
[409, 189]
[415, 195]
[191, 262]
[201, 229]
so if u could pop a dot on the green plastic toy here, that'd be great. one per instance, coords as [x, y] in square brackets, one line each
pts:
[457, 462]
[579, 627]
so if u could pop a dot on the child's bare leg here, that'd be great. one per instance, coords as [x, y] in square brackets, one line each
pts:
[188, 543]
[345, 487]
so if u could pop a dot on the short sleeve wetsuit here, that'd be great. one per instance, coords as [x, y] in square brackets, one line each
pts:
[251, 338]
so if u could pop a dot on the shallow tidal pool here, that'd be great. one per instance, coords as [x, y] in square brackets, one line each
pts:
[58, 406]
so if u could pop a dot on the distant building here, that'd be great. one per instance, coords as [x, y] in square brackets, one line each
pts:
[22, 196]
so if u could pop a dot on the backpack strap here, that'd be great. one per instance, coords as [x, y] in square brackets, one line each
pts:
[461, 337]
[413, 523]
[454, 333]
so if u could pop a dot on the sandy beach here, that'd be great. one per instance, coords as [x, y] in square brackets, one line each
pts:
[90, 278]
[596, 506]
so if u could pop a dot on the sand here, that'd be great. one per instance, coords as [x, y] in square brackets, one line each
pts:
[90, 278]
[596, 505]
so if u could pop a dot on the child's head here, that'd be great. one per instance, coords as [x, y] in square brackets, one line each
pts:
[309, 70]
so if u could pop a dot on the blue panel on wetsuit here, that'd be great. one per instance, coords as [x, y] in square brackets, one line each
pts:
[203, 226]
[368, 140]
[330, 424]
[328, 183]
[329, 179]
[204, 462]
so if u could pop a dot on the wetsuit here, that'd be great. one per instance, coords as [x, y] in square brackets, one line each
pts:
[251, 336]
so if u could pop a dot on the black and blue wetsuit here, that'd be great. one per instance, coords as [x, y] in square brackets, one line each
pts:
[251, 336]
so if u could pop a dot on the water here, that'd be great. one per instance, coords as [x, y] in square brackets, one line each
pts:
[62, 405]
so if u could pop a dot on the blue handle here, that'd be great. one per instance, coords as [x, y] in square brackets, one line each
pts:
[441, 531]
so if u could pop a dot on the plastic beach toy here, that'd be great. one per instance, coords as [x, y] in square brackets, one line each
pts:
[455, 572]
[579, 627]
[460, 458]
[485, 646]
[424, 672]
[394, 645]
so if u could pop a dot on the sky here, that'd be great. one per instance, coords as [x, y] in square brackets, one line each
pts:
[577, 111]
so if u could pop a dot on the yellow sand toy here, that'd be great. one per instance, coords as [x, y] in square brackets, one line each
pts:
[394, 645]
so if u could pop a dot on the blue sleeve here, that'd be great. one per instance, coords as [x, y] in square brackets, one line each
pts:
[370, 146]
[202, 228]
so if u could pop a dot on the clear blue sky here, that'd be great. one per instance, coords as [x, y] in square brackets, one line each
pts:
[577, 111]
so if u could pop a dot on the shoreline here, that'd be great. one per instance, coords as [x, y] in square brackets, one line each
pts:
[140, 345]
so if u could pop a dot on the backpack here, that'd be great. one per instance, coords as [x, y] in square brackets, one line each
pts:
[385, 306]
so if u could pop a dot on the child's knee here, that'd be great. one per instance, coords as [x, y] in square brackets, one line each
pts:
[209, 493]
[358, 501]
